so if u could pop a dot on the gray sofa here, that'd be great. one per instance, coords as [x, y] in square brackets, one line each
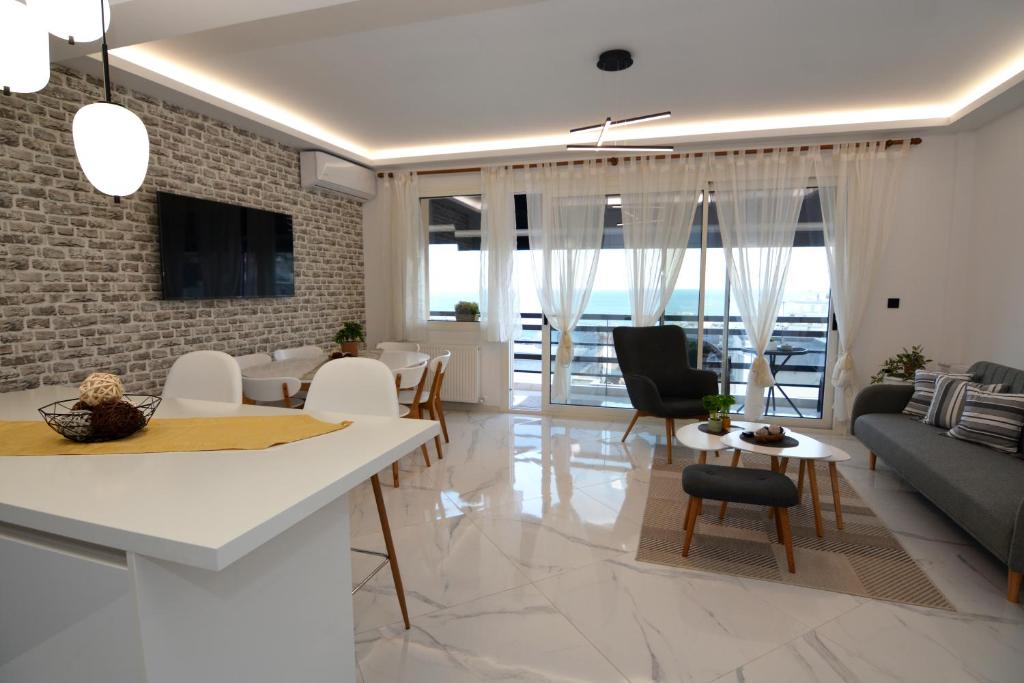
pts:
[980, 489]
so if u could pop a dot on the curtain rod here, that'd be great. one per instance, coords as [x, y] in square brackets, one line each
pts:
[615, 160]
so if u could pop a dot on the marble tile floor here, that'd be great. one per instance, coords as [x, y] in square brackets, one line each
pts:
[517, 553]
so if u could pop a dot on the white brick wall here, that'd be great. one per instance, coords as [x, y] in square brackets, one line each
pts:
[79, 275]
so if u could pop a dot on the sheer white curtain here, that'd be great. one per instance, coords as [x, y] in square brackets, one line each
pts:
[565, 205]
[658, 201]
[498, 302]
[409, 271]
[759, 197]
[857, 186]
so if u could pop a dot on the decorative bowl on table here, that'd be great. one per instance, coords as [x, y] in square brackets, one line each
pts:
[75, 420]
[768, 434]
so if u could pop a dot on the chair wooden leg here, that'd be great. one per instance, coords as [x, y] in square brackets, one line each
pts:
[440, 418]
[872, 459]
[394, 473]
[1013, 587]
[691, 523]
[670, 428]
[782, 514]
[389, 545]
[432, 411]
[833, 473]
[812, 477]
[735, 463]
[426, 455]
[632, 423]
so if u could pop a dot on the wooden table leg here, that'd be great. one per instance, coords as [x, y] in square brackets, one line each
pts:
[800, 481]
[735, 462]
[702, 457]
[812, 477]
[833, 473]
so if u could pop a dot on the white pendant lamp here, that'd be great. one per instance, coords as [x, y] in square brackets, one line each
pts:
[76, 21]
[24, 49]
[111, 143]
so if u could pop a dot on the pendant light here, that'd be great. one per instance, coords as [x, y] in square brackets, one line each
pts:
[76, 21]
[24, 49]
[111, 142]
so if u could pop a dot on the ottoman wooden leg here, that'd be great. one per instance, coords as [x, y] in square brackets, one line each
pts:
[872, 459]
[1013, 587]
[782, 514]
[691, 523]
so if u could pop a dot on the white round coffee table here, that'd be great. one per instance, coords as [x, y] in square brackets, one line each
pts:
[691, 436]
[808, 450]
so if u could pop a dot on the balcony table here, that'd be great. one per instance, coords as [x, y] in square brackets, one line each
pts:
[170, 567]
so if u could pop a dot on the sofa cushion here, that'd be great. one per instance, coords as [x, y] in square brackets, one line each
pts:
[978, 487]
[924, 391]
[991, 419]
[948, 401]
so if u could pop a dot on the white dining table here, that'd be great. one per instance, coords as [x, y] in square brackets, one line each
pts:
[192, 566]
[305, 368]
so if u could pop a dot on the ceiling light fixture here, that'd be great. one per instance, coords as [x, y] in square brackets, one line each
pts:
[111, 142]
[617, 60]
[79, 21]
[24, 49]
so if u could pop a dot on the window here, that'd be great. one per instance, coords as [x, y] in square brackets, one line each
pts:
[453, 256]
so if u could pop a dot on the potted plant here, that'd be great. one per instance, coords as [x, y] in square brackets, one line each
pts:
[718, 406]
[349, 337]
[902, 366]
[467, 312]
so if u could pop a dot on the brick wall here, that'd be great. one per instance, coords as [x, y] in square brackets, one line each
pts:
[79, 274]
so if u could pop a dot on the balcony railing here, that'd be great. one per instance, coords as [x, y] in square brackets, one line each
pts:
[596, 379]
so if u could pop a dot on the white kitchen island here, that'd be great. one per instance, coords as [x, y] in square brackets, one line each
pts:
[173, 567]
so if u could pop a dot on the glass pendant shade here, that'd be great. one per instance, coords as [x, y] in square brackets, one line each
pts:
[112, 147]
[24, 48]
[74, 19]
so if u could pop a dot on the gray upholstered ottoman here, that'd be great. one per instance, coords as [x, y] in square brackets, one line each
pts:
[734, 485]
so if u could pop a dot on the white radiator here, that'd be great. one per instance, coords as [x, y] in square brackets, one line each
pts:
[462, 380]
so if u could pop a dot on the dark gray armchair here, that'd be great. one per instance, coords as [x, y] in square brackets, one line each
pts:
[656, 368]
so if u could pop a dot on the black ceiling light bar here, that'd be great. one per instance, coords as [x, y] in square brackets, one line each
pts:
[618, 60]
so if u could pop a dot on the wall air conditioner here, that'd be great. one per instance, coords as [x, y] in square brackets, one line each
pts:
[327, 172]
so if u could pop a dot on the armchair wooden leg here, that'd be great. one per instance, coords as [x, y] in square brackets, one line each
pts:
[872, 459]
[389, 544]
[691, 523]
[670, 428]
[782, 515]
[1013, 588]
[636, 416]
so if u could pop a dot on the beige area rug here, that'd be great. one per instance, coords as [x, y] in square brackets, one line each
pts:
[864, 559]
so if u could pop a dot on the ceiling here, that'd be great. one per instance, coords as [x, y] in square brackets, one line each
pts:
[405, 81]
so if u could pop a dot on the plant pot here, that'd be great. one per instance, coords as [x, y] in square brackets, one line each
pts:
[715, 425]
[351, 348]
[467, 317]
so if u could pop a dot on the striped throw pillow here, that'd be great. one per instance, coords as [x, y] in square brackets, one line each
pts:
[924, 389]
[993, 420]
[948, 401]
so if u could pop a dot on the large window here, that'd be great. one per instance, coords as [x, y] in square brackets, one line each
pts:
[453, 257]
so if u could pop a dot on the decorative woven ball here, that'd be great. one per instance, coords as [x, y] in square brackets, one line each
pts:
[100, 388]
[116, 420]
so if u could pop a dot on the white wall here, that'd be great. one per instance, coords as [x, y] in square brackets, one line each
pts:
[925, 267]
[995, 286]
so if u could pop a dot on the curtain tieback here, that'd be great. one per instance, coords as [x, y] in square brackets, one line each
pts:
[565, 349]
[761, 372]
[842, 373]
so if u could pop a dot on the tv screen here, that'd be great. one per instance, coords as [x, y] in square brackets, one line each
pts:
[211, 250]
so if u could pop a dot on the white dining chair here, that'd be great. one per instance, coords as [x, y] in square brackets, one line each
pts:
[205, 375]
[252, 359]
[298, 352]
[277, 391]
[431, 404]
[362, 386]
[397, 346]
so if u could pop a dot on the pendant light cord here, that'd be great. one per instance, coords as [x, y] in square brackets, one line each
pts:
[106, 58]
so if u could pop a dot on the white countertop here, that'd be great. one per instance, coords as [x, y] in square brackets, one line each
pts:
[203, 509]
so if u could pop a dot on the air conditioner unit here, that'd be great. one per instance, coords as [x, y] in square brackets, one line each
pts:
[326, 172]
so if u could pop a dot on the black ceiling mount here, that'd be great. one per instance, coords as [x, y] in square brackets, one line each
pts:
[614, 60]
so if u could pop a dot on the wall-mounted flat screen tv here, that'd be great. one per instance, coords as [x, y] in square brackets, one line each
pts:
[212, 250]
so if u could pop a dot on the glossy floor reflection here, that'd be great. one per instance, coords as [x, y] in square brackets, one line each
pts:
[517, 553]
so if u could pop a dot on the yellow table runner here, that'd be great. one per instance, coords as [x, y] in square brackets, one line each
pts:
[253, 432]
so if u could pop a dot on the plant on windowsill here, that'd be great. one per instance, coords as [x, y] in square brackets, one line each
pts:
[349, 337]
[467, 312]
[718, 406]
[902, 366]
